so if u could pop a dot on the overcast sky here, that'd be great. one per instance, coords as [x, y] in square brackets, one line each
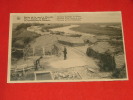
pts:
[103, 17]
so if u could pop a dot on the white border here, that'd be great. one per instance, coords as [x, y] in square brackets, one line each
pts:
[34, 81]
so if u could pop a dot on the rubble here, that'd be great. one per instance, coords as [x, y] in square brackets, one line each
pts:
[104, 52]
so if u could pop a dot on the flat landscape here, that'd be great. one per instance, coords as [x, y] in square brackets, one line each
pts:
[84, 56]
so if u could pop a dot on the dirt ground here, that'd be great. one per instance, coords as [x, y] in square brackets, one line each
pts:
[77, 65]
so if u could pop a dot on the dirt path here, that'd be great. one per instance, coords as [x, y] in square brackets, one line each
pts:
[75, 57]
[78, 61]
[67, 30]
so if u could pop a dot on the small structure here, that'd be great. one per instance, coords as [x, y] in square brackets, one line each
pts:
[71, 41]
[43, 75]
[89, 39]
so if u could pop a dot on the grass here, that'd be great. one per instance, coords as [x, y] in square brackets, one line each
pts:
[97, 29]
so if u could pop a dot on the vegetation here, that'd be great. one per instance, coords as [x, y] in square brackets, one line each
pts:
[100, 29]
[20, 38]
[119, 73]
[50, 26]
[111, 30]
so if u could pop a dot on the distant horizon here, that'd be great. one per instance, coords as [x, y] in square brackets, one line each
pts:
[69, 23]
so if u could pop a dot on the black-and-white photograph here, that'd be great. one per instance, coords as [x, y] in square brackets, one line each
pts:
[66, 47]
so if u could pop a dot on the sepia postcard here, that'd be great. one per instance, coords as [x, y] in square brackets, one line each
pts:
[66, 47]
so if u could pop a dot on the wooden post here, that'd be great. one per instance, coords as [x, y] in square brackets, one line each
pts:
[35, 76]
[16, 69]
[33, 51]
[43, 50]
[23, 71]
[23, 54]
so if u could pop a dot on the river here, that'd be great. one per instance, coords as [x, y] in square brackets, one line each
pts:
[68, 31]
